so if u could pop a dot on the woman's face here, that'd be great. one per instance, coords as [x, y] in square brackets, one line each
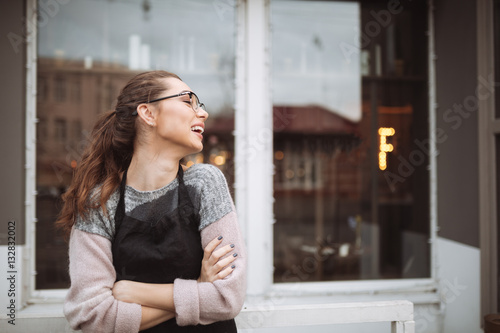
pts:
[177, 125]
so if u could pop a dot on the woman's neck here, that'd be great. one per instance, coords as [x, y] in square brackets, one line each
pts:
[149, 171]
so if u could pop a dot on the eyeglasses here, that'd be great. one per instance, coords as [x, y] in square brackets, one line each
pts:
[193, 99]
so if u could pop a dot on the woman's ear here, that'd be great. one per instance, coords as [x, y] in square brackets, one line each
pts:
[144, 111]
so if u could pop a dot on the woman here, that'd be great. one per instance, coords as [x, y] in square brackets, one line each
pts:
[139, 221]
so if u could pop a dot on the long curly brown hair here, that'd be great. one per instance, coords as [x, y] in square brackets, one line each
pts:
[110, 150]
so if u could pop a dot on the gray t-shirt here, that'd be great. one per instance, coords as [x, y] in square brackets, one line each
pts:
[207, 188]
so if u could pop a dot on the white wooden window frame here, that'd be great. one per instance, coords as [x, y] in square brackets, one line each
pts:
[254, 180]
[254, 171]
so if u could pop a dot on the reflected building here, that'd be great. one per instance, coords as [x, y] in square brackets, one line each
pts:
[70, 98]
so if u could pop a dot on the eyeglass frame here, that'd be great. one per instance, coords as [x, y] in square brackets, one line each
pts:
[190, 93]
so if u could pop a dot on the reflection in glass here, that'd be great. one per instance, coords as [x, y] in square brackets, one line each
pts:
[349, 107]
[86, 53]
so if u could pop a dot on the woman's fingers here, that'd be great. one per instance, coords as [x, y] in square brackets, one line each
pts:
[222, 274]
[217, 271]
[211, 247]
[225, 262]
[216, 264]
[219, 253]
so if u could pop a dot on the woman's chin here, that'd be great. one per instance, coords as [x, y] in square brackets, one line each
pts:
[195, 149]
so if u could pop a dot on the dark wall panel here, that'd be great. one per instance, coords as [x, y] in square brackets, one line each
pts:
[12, 110]
[455, 31]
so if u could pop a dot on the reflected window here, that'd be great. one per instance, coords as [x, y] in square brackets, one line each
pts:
[86, 54]
[76, 131]
[60, 89]
[76, 91]
[350, 112]
[60, 130]
[42, 89]
[41, 131]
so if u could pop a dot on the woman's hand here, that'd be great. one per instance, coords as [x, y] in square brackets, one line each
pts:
[212, 266]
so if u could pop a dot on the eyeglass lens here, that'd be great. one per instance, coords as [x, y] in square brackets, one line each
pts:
[195, 103]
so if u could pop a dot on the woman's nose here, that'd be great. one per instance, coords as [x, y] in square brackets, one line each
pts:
[202, 114]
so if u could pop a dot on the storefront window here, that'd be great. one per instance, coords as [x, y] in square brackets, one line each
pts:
[86, 53]
[350, 107]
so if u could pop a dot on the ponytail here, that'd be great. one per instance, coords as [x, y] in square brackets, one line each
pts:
[110, 150]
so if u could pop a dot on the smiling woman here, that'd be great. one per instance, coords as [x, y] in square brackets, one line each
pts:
[86, 53]
[153, 245]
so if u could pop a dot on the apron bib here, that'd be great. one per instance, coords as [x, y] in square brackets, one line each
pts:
[165, 247]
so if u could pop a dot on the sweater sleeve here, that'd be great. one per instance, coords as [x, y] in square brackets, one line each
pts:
[205, 302]
[89, 304]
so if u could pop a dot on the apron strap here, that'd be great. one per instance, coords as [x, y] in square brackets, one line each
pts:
[120, 208]
[183, 196]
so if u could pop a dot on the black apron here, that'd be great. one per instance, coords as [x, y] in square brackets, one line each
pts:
[166, 246]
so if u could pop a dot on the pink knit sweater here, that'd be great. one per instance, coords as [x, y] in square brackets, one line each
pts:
[91, 307]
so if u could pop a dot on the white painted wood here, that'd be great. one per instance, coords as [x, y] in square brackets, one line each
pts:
[403, 326]
[256, 151]
[240, 181]
[49, 318]
[397, 327]
[402, 286]
[409, 326]
[459, 287]
[27, 269]
[326, 314]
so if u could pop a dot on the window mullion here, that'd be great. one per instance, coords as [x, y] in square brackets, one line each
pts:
[28, 260]
[255, 150]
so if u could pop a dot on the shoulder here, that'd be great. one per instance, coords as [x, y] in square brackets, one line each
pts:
[96, 221]
[205, 176]
[204, 172]
[212, 195]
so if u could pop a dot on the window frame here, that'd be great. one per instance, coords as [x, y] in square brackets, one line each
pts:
[253, 170]
[254, 183]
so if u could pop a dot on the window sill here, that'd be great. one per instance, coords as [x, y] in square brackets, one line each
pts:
[418, 291]
[45, 314]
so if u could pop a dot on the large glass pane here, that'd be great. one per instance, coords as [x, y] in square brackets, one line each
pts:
[87, 50]
[350, 140]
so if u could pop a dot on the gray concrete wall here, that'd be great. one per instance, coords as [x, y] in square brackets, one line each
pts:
[455, 32]
[12, 111]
